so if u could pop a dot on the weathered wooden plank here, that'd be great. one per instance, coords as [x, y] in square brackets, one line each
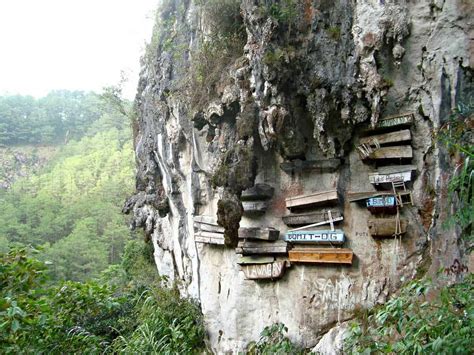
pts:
[258, 192]
[205, 219]
[259, 233]
[321, 255]
[398, 152]
[386, 227]
[301, 165]
[359, 196]
[316, 198]
[247, 247]
[383, 204]
[270, 271]
[385, 138]
[405, 119]
[254, 206]
[316, 236]
[250, 260]
[299, 219]
[208, 227]
[377, 178]
[209, 238]
[331, 221]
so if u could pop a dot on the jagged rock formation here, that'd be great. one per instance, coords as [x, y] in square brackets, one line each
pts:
[302, 81]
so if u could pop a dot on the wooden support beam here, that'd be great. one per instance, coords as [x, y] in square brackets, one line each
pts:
[316, 198]
[259, 233]
[321, 255]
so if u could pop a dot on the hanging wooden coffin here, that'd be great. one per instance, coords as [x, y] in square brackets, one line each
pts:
[259, 233]
[321, 255]
[396, 121]
[258, 192]
[316, 236]
[302, 165]
[270, 271]
[397, 152]
[387, 227]
[254, 207]
[392, 173]
[362, 196]
[383, 204]
[386, 138]
[317, 198]
[209, 238]
[300, 219]
[247, 247]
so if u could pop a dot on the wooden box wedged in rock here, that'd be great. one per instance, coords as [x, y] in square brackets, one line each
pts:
[313, 199]
[335, 237]
[254, 207]
[389, 174]
[247, 247]
[209, 238]
[399, 120]
[259, 233]
[383, 204]
[321, 255]
[270, 271]
[398, 152]
[387, 138]
[258, 192]
[300, 219]
[387, 227]
[302, 165]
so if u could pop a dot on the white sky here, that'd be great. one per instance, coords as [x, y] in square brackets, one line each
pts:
[71, 44]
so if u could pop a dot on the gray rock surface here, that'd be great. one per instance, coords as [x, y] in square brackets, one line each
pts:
[301, 88]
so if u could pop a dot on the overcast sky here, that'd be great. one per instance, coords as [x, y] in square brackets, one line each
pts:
[71, 44]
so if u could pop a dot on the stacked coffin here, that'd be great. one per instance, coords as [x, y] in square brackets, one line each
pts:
[255, 199]
[207, 231]
[389, 141]
[260, 251]
[313, 229]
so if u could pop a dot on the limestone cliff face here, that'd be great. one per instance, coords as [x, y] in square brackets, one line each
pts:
[308, 81]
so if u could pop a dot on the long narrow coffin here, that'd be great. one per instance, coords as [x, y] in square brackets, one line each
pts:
[386, 138]
[302, 165]
[321, 255]
[389, 174]
[317, 198]
[387, 227]
[383, 204]
[209, 238]
[258, 192]
[254, 207]
[399, 120]
[259, 233]
[398, 152]
[251, 260]
[300, 219]
[270, 271]
[207, 223]
[247, 247]
[335, 237]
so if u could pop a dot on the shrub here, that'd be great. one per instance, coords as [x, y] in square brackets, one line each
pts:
[274, 341]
